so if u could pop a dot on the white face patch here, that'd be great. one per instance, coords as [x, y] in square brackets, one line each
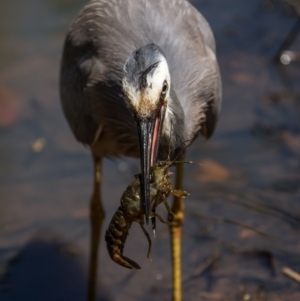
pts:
[156, 80]
[145, 101]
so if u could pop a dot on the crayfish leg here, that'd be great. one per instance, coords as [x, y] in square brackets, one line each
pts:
[125, 262]
[170, 212]
[149, 241]
[179, 193]
[162, 220]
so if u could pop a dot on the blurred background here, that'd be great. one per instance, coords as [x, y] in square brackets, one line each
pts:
[243, 215]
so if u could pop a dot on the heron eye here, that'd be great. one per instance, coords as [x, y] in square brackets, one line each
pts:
[164, 88]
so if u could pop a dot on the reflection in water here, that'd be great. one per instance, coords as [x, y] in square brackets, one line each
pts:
[284, 55]
[47, 268]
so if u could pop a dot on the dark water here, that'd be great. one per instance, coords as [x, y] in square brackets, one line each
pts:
[250, 172]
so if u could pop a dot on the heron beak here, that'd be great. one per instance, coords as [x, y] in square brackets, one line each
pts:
[149, 130]
[145, 131]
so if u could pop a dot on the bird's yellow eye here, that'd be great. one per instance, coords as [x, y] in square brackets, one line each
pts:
[164, 88]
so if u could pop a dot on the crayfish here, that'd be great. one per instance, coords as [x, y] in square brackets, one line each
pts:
[131, 211]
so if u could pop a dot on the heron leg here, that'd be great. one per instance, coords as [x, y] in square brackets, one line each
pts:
[97, 216]
[177, 219]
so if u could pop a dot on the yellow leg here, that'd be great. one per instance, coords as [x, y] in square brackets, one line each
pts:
[97, 216]
[176, 231]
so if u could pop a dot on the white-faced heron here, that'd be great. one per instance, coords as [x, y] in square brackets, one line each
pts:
[138, 78]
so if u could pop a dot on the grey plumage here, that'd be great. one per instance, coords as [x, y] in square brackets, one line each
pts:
[99, 42]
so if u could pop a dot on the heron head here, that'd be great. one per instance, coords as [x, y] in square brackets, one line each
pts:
[146, 80]
[146, 88]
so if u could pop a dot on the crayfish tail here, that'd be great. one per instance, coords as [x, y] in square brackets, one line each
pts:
[125, 262]
[115, 238]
